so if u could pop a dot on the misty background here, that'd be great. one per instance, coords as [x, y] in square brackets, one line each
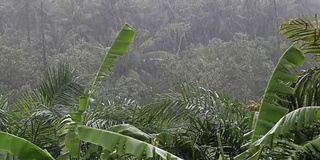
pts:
[225, 45]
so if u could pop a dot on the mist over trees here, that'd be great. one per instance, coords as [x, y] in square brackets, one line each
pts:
[159, 79]
[225, 45]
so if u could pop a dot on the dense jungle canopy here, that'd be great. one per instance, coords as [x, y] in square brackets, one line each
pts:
[225, 45]
[159, 79]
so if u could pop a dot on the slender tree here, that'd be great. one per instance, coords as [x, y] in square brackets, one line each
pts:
[277, 34]
[44, 56]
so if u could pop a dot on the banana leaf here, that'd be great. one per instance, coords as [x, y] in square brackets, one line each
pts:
[21, 148]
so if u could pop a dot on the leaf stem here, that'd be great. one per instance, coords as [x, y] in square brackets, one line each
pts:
[220, 146]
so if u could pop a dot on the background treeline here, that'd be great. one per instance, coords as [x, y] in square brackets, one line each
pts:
[224, 45]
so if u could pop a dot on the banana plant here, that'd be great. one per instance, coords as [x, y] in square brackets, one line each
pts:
[273, 105]
[293, 121]
[21, 148]
[112, 142]
[275, 130]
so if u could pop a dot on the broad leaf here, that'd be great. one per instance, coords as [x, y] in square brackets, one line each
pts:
[278, 86]
[294, 120]
[119, 47]
[22, 148]
[129, 130]
[121, 144]
[72, 141]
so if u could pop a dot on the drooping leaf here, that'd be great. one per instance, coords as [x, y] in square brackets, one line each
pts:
[121, 144]
[22, 148]
[129, 130]
[292, 121]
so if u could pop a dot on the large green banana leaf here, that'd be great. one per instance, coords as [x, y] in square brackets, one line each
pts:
[131, 131]
[295, 120]
[271, 111]
[109, 140]
[279, 85]
[22, 148]
[118, 48]
[123, 145]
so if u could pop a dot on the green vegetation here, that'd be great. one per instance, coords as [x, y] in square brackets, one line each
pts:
[160, 90]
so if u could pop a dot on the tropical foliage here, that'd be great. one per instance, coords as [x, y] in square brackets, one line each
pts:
[173, 35]
[133, 107]
[286, 126]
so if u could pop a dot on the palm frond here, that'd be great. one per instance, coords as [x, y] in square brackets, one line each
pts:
[41, 129]
[307, 91]
[37, 114]
[104, 114]
[60, 87]
[193, 116]
[5, 116]
[304, 31]
[176, 107]
[312, 148]
[58, 93]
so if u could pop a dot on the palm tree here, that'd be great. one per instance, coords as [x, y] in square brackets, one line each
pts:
[191, 122]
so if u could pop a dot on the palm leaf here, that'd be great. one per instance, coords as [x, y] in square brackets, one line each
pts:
[5, 116]
[311, 147]
[111, 112]
[60, 87]
[58, 92]
[123, 145]
[307, 92]
[279, 85]
[175, 108]
[303, 30]
[22, 148]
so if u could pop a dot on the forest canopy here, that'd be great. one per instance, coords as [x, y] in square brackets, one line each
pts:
[147, 79]
[228, 46]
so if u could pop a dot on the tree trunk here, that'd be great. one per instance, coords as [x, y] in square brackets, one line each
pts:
[27, 18]
[44, 57]
[277, 34]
